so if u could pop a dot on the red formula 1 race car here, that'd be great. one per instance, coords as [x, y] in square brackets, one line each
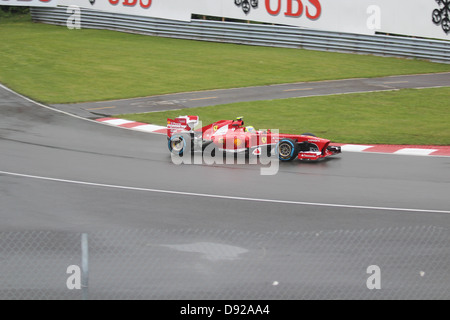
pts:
[232, 136]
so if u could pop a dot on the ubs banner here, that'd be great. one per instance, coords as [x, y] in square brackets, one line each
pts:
[422, 18]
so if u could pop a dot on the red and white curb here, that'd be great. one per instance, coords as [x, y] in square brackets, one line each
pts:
[139, 126]
[393, 149]
[411, 150]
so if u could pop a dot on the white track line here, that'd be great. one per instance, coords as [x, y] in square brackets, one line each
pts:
[44, 106]
[60, 111]
[205, 195]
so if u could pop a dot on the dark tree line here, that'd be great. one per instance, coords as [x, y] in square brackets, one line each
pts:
[13, 10]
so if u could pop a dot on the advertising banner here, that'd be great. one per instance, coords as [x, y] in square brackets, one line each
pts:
[165, 9]
[420, 18]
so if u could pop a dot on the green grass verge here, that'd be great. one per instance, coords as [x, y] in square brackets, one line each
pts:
[53, 64]
[409, 116]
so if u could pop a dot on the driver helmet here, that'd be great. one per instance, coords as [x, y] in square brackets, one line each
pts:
[249, 129]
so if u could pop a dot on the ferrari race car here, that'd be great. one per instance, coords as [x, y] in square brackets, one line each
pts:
[232, 136]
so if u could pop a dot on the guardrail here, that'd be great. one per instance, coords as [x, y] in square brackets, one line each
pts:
[255, 34]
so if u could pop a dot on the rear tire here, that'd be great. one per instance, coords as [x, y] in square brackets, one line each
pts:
[177, 144]
[287, 150]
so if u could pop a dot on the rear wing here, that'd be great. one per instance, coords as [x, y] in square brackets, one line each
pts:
[181, 124]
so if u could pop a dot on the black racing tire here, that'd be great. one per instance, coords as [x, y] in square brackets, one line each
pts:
[177, 144]
[287, 150]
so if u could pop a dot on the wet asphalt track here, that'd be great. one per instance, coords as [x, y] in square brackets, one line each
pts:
[203, 247]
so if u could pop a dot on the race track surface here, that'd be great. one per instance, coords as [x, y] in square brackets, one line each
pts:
[163, 231]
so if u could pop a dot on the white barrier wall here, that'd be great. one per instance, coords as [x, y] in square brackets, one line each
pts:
[421, 18]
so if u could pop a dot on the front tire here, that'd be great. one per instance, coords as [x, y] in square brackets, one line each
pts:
[287, 150]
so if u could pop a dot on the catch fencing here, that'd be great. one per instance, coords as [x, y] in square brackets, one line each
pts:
[225, 264]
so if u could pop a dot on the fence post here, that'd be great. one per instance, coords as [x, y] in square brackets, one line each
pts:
[84, 266]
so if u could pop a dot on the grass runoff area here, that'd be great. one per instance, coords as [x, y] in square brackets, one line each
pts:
[53, 64]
